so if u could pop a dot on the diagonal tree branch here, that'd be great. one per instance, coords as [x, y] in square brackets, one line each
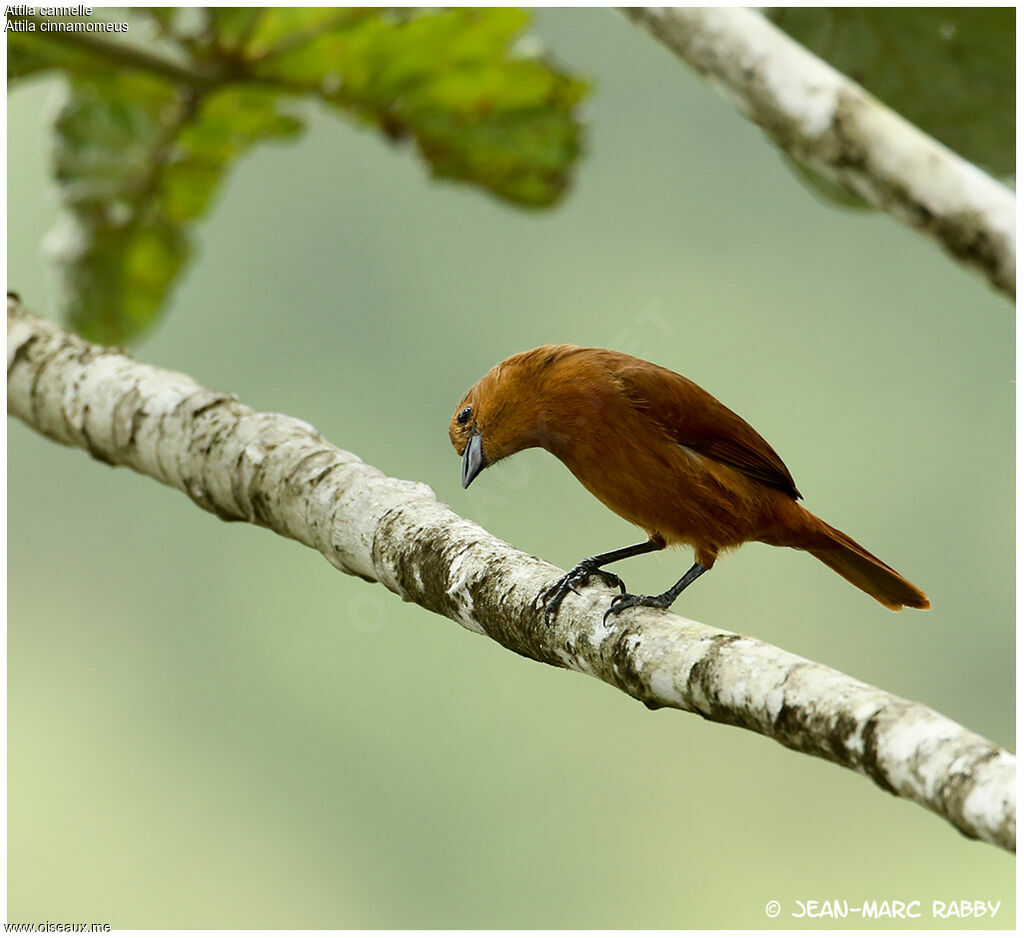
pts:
[278, 472]
[828, 122]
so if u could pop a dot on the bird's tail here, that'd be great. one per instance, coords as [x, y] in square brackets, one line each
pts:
[865, 571]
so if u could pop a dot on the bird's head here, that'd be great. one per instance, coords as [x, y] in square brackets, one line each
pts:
[506, 410]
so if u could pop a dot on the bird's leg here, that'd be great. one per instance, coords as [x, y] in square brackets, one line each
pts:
[551, 597]
[661, 601]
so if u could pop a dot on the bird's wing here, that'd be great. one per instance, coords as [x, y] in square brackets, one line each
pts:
[695, 419]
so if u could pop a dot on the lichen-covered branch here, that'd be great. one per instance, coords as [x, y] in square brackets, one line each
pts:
[828, 122]
[278, 472]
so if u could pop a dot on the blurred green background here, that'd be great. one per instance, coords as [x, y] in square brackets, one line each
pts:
[210, 727]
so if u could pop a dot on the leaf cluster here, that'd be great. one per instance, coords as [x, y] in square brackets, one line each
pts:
[150, 129]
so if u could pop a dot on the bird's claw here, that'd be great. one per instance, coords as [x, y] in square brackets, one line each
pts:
[610, 579]
[551, 598]
[628, 601]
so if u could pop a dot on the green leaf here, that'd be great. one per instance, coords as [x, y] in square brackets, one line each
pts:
[228, 122]
[452, 81]
[285, 28]
[949, 70]
[115, 276]
[137, 160]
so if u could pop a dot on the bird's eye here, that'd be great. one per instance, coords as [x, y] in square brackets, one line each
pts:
[464, 416]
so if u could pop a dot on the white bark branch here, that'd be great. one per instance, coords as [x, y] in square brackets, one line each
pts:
[278, 472]
[828, 122]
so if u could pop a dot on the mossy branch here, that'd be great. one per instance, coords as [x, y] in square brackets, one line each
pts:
[278, 472]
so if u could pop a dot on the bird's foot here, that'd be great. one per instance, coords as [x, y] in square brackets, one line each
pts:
[551, 597]
[628, 601]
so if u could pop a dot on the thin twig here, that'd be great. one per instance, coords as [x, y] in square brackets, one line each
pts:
[113, 54]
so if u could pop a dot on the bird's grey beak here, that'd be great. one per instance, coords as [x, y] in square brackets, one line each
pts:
[473, 462]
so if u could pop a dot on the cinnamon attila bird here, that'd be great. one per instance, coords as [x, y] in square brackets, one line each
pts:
[662, 453]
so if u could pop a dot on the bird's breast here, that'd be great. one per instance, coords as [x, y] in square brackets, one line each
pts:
[667, 489]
